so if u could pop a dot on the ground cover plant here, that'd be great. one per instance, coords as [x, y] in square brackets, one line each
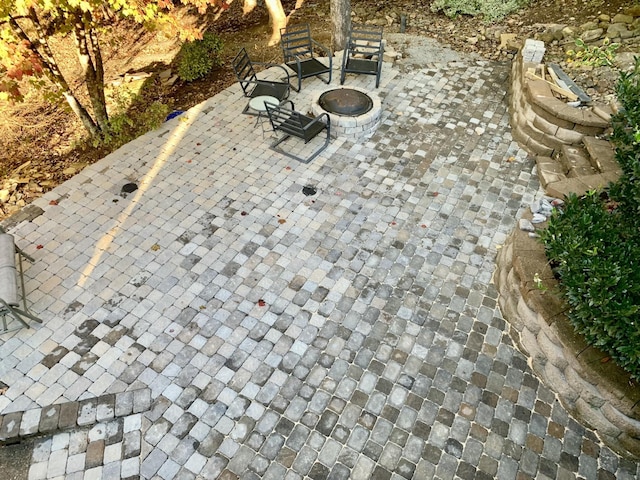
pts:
[594, 245]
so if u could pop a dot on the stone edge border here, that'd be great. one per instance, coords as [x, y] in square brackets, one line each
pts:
[541, 122]
[563, 360]
[16, 426]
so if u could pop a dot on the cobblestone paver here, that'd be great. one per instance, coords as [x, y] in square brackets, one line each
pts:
[219, 323]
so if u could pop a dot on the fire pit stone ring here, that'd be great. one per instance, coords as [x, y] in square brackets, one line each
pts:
[354, 126]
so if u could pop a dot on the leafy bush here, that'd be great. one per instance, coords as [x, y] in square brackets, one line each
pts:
[197, 58]
[626, 135]
[491, 10]
[594, 246]
[595, 251]
[132, 117]
[593, 55]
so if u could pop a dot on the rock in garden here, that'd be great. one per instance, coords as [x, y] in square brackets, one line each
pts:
[538, 218]
[526, 226]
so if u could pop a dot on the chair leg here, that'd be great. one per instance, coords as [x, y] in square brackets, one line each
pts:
[15, 313]
[275, 148]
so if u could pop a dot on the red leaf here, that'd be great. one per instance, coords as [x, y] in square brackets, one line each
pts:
[393, 223]
[39, 247]
[423, 226]
[53, 202]
[434, 194]
[243, 213]
[261, 303]
[288, 168]
[188, 161]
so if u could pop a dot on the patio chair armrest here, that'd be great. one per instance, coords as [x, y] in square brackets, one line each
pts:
[317, 120]
[269, 65]
[324, 49]
[282, 103]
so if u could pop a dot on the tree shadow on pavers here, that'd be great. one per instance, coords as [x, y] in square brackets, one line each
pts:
[15, 460]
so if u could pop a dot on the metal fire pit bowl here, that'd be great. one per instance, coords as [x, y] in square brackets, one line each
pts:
[346, 102]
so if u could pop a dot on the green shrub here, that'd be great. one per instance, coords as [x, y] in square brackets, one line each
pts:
[626, 136]
[595, 252]
[197, 58]
[491, 10]
[132, 117]
[594, 246]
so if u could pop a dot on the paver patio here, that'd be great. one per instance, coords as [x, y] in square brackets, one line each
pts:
[219, 323]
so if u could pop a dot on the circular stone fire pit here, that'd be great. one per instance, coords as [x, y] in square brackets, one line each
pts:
[353, 111]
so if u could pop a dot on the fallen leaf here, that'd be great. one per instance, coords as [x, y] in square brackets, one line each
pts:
[198, 144]
[423, 226]
[434, 194]
[243, 213]
[261, 303]
[155, 247]
[605, 359]
[281, 221]
[203, 307]
[53, 202]
[393, 223]
[511, 159]
[39, 247]
[188, 161]
[288, 168]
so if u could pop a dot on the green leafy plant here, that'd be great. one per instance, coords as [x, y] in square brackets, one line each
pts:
[594, 245]
[596, 254]
[131, 117]
[593, 55]
[490, 10]
[199, 57]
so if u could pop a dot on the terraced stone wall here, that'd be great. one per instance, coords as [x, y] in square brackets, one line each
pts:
[595, 391]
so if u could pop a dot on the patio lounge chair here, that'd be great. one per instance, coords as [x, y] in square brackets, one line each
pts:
[13, 317]
[363, 53]
[254, 87]
[298, 50]
[295, 124]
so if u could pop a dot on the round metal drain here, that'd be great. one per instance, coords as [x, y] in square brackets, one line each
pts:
[128, 188]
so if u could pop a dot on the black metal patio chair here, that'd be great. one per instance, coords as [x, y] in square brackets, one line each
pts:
[13, 315]
[254, 87]
[363, 52]
[299, 55]
[295, 124]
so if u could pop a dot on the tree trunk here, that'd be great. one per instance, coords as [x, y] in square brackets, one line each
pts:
[340, 23]
[53, 72]
[278, 19]
[86, 44]
[248, 6]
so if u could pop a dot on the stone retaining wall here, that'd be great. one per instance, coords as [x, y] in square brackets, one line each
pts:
[594, 390]
[541, 122]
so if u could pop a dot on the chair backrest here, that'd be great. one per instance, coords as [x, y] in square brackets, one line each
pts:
[243, 69]
[365, 40]
[296, 41]
[286, 120]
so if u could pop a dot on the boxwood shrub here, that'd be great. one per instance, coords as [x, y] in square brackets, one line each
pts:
[197, 59]
[594, 245]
